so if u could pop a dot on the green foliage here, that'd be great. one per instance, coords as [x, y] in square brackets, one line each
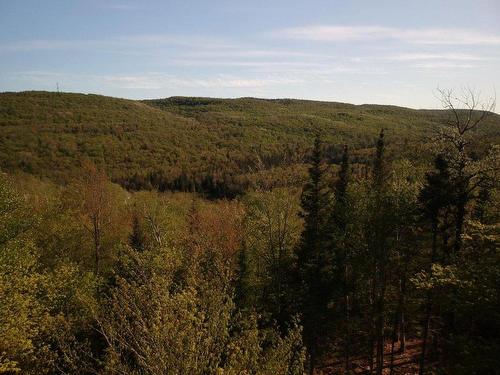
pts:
[272, 232]
[154, 326]
[214, 144]
[137, 238]
[35, 302]
[313, 258]
[21, 316]
[373, 251]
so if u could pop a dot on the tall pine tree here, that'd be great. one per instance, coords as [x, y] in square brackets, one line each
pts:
[341, 283]
[436, 195]
[379, 229]
[311, 267]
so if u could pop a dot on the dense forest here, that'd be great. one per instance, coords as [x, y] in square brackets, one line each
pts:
[222, 147]
[248, 236]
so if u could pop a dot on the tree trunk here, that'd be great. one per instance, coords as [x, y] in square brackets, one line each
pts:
[312, 361]
[372, 327]
[97, 245]
[459, 223]
[348, 322]
[380, 317]
[380, 330]
[402, 310]
[428, 307]
[402, 333]
[394, 338]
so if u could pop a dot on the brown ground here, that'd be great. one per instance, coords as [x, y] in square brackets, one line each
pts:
[404, 364]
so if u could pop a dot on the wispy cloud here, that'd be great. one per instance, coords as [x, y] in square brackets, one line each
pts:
[195, 51]
[48, 45]
[333, 33]
[156, 81]
[141, 41]
[160, 81]
[158, 40]
[435, 56]
[443, 65]
[188, 63]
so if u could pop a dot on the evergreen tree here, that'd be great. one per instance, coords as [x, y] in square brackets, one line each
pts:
[378, 233]
[339, 247]
[434, 197]
[340, 189]
[403, 189]
[314, 291]
[313, 201]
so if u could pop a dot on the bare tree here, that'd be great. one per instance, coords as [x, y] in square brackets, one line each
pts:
[466, 111]
[96, 207]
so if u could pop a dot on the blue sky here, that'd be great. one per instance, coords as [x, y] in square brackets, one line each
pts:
[387, 52]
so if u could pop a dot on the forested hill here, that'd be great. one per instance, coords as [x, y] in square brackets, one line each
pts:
[219, 144]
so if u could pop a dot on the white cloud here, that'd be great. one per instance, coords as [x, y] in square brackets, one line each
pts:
[158, 40]
[242, 52]
[133, 81]
[49, 45]
[435, 56]
[443, 65]
[120, 43]
[331, 33]
[247, 63]
[159, 81]
[155, 81]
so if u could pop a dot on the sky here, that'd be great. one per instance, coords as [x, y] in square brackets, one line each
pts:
[359, 51]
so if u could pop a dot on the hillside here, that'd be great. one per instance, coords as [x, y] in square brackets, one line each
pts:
[169, 143]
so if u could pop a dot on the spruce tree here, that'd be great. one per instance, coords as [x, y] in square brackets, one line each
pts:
[339, 247]
[436, 195]
[378, 231]
[314, 293]
[340, 190]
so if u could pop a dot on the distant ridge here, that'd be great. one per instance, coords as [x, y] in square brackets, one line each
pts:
[48, 134]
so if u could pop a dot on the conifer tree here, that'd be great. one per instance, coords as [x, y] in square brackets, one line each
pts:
[314, 293]
[378, 232]
[340, 248]
[434, 197]
[341, 192]
[312, 203]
